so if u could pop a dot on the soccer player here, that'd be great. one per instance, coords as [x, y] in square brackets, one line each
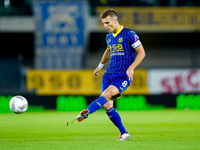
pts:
[122, 46]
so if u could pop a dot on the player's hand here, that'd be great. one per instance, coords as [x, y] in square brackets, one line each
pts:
[96, 71]
[130, 73]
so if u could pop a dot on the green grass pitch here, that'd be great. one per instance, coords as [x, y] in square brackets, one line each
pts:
[156, 130]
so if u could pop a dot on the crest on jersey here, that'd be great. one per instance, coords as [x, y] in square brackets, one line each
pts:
[120, 39]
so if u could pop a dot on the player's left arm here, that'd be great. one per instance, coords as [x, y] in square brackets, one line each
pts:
[140, 56]
[104, 59]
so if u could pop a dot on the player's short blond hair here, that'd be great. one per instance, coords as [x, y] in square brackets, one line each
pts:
[108, 12]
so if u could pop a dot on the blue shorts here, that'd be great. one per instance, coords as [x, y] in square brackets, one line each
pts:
[119, 81]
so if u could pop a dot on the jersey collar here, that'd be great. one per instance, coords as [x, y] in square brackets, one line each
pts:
[120, 29]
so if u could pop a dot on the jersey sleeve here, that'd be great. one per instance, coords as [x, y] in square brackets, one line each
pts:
[133, 39]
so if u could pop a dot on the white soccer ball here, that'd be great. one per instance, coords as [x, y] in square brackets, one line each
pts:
[18, 104]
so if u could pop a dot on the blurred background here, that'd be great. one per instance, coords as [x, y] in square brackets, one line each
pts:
[50, 48]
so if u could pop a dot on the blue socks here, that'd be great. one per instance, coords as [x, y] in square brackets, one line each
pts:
[112, 113]
[97, 104]
[116, 119]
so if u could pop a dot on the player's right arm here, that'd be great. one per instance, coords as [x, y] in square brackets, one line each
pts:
[104, 59]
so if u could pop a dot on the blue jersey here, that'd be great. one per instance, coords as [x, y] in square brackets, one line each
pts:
[122, 50]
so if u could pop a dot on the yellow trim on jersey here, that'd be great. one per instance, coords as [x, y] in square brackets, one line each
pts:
[120, 29]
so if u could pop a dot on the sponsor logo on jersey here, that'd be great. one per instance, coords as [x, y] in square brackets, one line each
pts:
[120, 39]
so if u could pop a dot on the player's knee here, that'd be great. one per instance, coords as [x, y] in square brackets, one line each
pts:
[108, 94]
[108, 105]
[111, 95]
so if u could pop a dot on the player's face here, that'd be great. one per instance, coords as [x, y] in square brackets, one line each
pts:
[109, 24]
